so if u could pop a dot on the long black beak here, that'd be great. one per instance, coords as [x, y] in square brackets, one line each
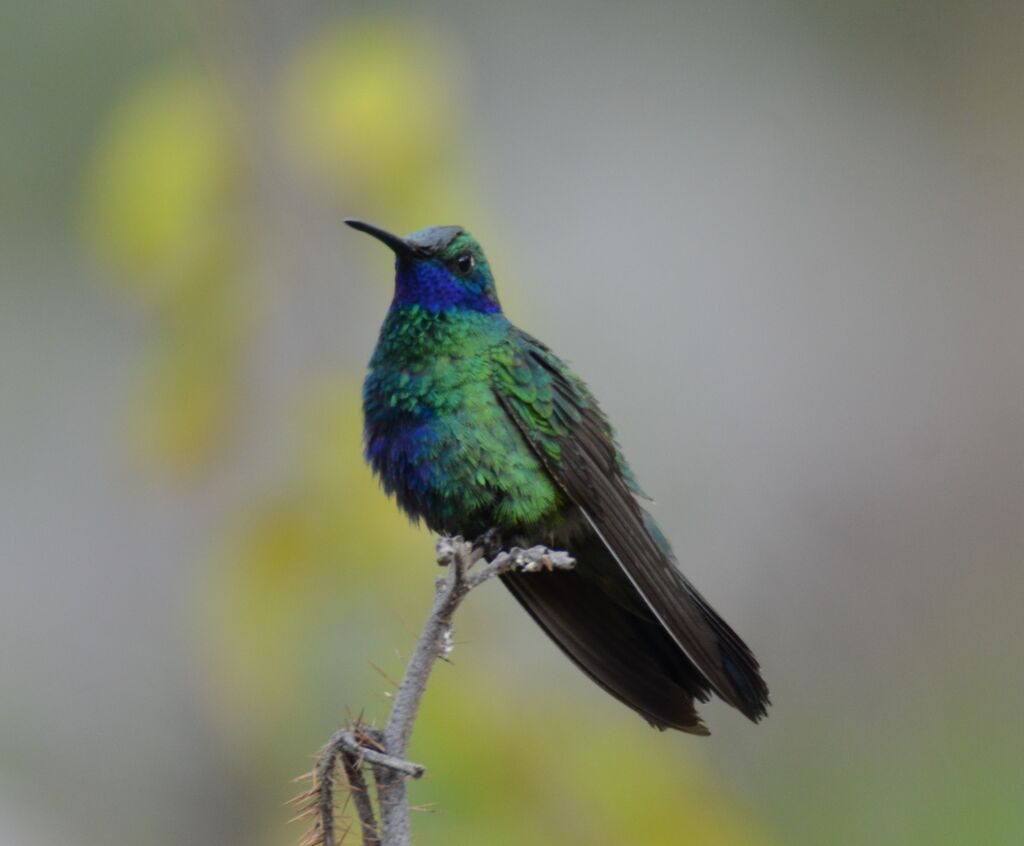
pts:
[401, 247]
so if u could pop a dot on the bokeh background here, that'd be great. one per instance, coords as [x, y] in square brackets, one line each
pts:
[783, 242]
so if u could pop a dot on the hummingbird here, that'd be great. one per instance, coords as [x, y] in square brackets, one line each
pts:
[477, 428]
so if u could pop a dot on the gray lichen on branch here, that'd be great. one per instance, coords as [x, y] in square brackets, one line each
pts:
[360, 747]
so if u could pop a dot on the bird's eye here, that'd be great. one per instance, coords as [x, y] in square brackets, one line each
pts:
[465, 262]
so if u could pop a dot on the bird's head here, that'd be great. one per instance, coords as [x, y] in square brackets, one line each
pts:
[442, 268]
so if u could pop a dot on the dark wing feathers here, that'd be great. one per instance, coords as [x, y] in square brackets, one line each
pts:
[571, 436]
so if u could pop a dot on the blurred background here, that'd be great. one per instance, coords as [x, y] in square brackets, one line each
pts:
[783, 243]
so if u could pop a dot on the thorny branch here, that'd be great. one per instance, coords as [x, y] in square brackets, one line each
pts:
[382, 752]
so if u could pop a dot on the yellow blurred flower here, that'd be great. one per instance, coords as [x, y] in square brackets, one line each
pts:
[162, 180]
[161, 211]
[372, 105]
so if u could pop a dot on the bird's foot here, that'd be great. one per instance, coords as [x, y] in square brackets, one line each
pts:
[489, 543]
[486, 546]
[538, 558]
[447, 550]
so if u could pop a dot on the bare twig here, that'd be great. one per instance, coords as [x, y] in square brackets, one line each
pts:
[384, 751]
[360, 798]
[362, 748]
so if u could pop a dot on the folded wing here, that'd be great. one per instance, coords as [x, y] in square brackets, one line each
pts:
[572, 438]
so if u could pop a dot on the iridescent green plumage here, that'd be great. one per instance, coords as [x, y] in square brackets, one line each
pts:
[437, 433]
[474, 425]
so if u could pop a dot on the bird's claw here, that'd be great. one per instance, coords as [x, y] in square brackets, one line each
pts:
[489, 543]
[538, 558]
[445, 549]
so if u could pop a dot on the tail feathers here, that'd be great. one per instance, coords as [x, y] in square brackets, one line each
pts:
[598, 619]
[750, 693]
[738, 673]
[618, 650]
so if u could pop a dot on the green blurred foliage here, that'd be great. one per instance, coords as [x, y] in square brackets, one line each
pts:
[548, 770]
[317, 578]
